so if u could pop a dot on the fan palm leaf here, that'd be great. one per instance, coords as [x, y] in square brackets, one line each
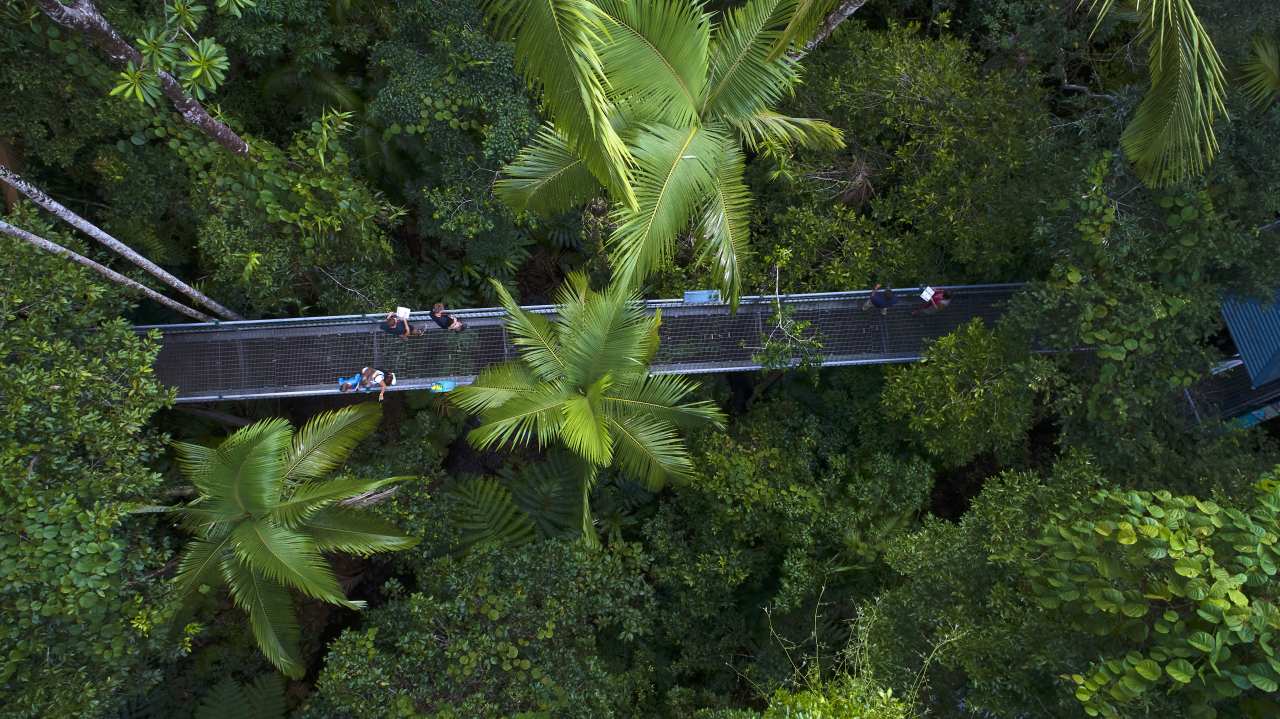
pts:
[1171, 137]
[1262, 72]
[547, 177]
[342, 530]
[548, 493]
[263, 542]
[673, 178]
[656, 56]
[487, 516]
[271, 617]
[326, 440]
[556, 45]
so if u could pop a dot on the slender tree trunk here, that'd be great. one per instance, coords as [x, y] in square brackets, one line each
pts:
[40, 198]
[842, 12]
[110, 274]
[1271, 227]
[8, 158]
[82, 16]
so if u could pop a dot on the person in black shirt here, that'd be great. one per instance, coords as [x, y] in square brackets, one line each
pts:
[393, 325]
[446, 320]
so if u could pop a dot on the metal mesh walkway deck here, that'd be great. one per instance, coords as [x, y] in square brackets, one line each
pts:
[294, 357]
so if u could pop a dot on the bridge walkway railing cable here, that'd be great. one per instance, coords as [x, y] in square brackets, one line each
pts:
[304, 356]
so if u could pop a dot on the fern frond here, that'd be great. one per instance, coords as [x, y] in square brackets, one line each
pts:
[483, 510]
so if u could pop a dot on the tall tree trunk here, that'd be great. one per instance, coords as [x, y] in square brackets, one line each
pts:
[83, 16]
[8, 158]
[110, 274]
[842, 12]
[71, 218]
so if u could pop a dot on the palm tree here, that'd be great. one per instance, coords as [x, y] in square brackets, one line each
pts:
[583, 380]
[1170, 137]
[265, 516]
[652, 102]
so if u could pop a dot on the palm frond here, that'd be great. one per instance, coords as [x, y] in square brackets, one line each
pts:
[555, 48]
[547, 177]
[605, 337]
[342, 530]
[244, 471]
[769, 131]
[494, 387]
[288, 557]
[660, 397]
[326, 440]
[522, 420]
[315, 496]
[584, 430]
[744, 77]
[532, 333]
[649, 449]
[1170, 137]
[571, 299]
[656, 57]
[275, 628]
[200, 563]
[225, 699]
[1262, 72]
[548, 493]
[806, 15]
[483, 510]
[673, 178]
[724, 228]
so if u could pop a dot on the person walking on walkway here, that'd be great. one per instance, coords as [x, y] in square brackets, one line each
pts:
[366, 380]
[399, 326]
[934, 301]
[884, 300]
[446, 320]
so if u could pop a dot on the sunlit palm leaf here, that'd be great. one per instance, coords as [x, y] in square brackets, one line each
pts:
[1262, 72]
[744, 78]
[532, 333]
[660, 397]
[288, 558]
[656, 56]
[649, 449]
[767, 130]
[571, 303]
[243, 472]
[486, 515]
[1170, 137]
[494, 386]
[326, 440]
[806, 15]
[724, 227]
[555, 47]
[673, 179]
[315, 496]
[275, 629]
[339, 530]
[606, 337]
[547, 177]
[585, 430]
[522, 420]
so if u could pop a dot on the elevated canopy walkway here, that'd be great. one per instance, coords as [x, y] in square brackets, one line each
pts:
[296, 357]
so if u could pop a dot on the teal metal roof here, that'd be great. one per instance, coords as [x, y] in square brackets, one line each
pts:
[1255, 327]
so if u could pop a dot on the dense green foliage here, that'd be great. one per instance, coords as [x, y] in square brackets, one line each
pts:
[1042, 518]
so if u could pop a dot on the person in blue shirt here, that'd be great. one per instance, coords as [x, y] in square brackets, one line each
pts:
[884, 300]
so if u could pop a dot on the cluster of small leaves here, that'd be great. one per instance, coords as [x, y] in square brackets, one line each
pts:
[790, 343]
[168, 46]
[77, 606]
[540, 628]
[974, 391]
[1188, 584]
